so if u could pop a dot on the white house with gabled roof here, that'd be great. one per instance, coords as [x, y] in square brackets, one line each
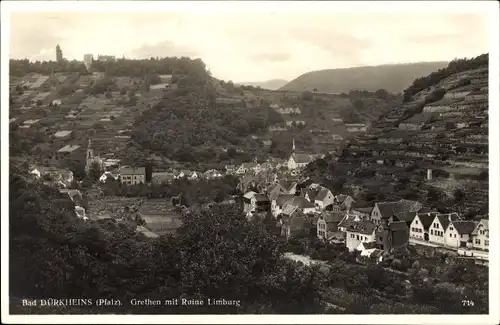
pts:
[439, 225]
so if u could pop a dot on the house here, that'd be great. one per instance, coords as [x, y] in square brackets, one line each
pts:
[363, 212]
[344, 202]
[212, 173]
[74, 195]
[279, 203]
[298, 160]
[419, 228]
[132, 175]
[439, 226]
[289, 186]
[370, 251]
[402, 210]
[274, 191]
[264, 178]
[193, 176]
[67, 151]
[108, 174]
[481, 236]
[309, 193]
[63, 176]
[56, 102]
[405, 210]
[301, 204]
[392, 235]
[230, 169]
[184, 174]
[358, 232]
[248, 167]
[324, 198]
[327, 224]
[247, 201]
[458, 233]
[260, 203]
[162, 177]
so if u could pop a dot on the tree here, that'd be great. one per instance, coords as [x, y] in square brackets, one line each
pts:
[95, 171]
[382, 94]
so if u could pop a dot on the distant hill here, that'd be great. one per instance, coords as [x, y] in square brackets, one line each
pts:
[270, 84]
[391, 77]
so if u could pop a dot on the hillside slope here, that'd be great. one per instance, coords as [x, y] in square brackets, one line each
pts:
[433, 148]
[391, 77]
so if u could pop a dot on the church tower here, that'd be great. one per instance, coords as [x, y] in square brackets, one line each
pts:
[89, 158]
[59, 54]
[293, 146]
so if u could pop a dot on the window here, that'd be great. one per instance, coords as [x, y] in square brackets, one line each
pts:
[357, 237]
[451, 235]
[486, 242]
[455, 236]
[451, 228]
[432, 232]
[416, 222]
[478, 241]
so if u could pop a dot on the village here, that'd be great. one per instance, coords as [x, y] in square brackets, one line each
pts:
[278, 190]
[86, 123]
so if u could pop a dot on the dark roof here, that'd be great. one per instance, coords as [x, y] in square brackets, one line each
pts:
[349, 220]
[398, 226]
[406, 216]
[300, 202]
[261, 198]
[362, 227]
[332, 217]
[464, 227]
[284, 198]
[445, 219]
[275, 191]
[322, 194]
[426, 218]
[312, 193]
[132, 170]
[364, 210]
[386, 209]
[287, 185]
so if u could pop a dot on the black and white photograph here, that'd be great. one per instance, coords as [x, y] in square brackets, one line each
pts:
[250, 162]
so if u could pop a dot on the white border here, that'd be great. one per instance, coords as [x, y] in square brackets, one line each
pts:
[489, 7]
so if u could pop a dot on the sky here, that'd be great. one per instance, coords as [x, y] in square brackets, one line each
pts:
[254, 46]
